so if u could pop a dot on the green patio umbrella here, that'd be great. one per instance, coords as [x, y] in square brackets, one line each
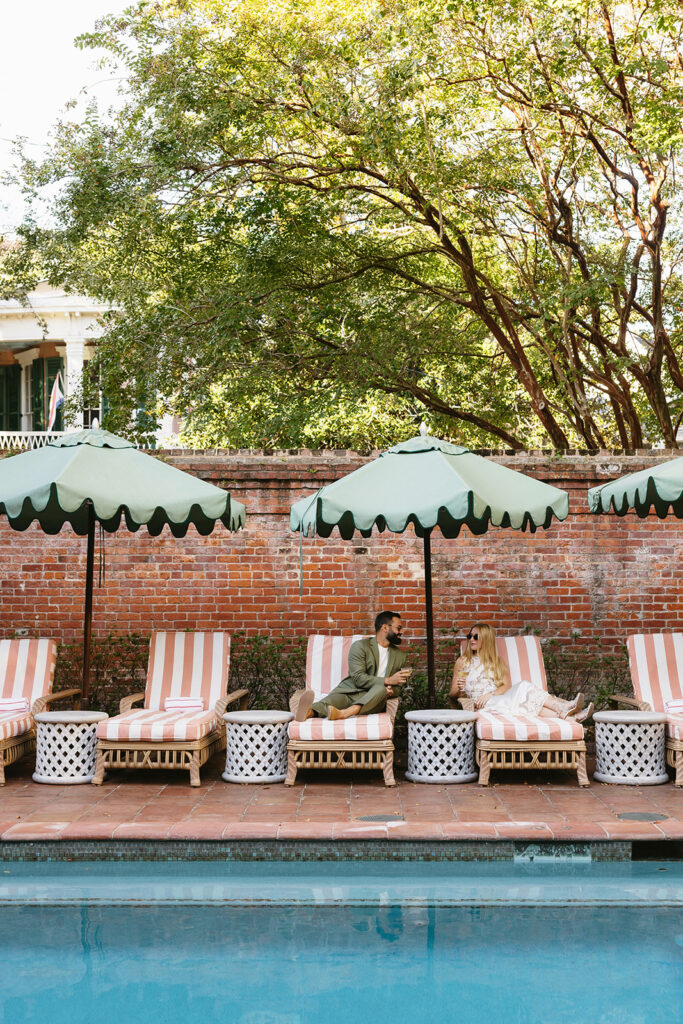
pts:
[660, 488]
[92, 477]
[431, 484]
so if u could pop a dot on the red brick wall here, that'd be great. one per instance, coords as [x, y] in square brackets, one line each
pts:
[600, 577]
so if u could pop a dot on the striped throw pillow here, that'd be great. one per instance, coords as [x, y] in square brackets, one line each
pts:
[675, 707]
[183, 704]
[9, 705]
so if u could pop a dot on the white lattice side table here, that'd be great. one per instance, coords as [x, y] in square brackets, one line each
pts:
[630, 748]
[66, 746]
[257, 746]
[441, 746]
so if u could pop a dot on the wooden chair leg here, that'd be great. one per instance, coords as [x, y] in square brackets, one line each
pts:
[2, 768]
[484, 767]
[581, 770]
[678, 766]
[98, 777]
[388, 769]
[292, 768]
[195, 779]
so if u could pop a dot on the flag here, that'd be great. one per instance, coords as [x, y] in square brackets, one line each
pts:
[56, 400]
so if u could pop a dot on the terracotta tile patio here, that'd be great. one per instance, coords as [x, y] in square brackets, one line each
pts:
[325, 805]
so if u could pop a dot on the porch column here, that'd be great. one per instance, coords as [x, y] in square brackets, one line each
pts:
[73, 372]
[25, 359]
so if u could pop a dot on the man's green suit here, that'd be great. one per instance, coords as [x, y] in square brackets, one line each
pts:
[362, 685]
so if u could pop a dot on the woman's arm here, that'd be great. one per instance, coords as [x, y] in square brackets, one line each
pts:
[502, 688]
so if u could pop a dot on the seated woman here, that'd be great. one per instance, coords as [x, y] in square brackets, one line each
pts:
[483, 677]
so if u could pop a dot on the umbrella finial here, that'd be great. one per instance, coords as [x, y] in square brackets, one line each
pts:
[423, 429]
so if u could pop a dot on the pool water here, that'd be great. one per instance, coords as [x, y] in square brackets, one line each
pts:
[376, 943]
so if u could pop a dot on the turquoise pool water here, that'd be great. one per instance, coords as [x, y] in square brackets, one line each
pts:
[339, 943]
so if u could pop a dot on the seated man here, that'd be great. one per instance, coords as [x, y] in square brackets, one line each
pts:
[375, 668]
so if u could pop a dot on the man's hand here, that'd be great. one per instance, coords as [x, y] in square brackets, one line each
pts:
[398, 678]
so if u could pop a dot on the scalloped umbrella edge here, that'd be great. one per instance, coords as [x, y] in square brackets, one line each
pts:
[659, 487]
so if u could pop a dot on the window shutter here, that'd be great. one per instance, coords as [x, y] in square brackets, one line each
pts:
[38, 394]
[13, 397]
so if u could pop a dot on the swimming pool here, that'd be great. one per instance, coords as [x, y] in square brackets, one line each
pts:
[299, 943]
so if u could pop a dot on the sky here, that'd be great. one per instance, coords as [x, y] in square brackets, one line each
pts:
[40, 71]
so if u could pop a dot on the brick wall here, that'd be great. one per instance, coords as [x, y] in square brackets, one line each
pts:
[599, 577]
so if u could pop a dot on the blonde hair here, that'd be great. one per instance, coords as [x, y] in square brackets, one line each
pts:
[488, 654]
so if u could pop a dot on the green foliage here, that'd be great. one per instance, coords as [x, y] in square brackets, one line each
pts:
[571, 669]
[118, 667]
[271, 668]
[324, 221]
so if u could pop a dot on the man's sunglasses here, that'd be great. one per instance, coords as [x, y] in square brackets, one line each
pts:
[472, 636]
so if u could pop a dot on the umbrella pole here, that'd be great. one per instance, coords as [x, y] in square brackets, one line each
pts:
[431, 683]
[87, 621]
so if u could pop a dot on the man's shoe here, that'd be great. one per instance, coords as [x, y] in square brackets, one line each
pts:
[333, 713]
[303, 706]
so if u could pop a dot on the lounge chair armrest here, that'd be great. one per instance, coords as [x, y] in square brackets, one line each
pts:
[40, 703]
[230, 698]
[127, 702]
[467, 703]
[631, 702]
[392, 708]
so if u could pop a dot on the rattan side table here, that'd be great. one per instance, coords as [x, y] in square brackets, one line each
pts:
[630, 748]
[256, 746]
[441, 746]
[66, 746]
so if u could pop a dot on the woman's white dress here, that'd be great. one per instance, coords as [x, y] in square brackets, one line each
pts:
[522, 696]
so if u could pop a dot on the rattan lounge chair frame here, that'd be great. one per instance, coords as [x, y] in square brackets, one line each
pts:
[375, 755]
[189, 755]
[559, 755]
[14, 748]
[674, 747]
[567, 755]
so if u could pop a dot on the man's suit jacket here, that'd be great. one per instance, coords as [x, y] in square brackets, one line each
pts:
[363, 665]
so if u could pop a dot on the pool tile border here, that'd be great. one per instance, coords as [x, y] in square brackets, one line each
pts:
[368, 849]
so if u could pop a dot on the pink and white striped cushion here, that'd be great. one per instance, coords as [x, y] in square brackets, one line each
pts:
[524, 659]
[157, 726]
[183, 704]
[674, 727]
[503, 725]
[187, 665]
[360, 727]
[327, 662]
[656, 664]
[27, 668]
[14, 725]
[13, 705]
[673, 707]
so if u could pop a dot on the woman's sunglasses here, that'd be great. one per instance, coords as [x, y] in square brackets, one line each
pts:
[472, 636]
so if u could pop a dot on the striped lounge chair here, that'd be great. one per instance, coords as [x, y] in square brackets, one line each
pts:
[656, 664]
[506, 740]
[27, 671]
[364, 741]
[181, 723]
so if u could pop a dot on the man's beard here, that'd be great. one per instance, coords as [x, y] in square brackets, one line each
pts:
[395, 640]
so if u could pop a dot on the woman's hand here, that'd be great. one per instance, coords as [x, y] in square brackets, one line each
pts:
[459, 677]
[481, 701]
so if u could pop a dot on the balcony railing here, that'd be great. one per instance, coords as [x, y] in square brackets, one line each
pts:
[23, 439]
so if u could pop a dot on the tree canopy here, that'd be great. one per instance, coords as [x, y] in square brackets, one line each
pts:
[321, 221]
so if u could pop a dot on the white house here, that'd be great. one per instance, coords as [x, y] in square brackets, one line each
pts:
[53, 334]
